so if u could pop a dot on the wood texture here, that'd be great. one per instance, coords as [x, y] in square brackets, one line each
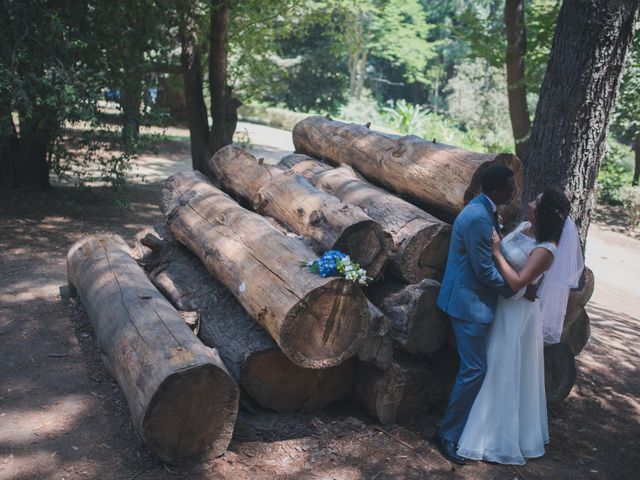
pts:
[317, 322]
[440, 177]
[420, 240]
[398, 392]
[580, 296]
[559, 372]
[576, 335]
[181, 397]
[417, 324]
[377, 347]
[303, 208]
[577, 98]
[252, 357]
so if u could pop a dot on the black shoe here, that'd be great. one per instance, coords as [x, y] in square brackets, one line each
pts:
[448, 449]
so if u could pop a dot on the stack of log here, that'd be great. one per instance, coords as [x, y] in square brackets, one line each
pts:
[229, 263]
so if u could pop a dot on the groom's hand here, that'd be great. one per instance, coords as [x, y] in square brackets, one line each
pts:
[532, 293]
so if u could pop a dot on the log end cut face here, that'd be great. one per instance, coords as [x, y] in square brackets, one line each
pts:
[193, 410]
[277, 383]
[367, 244]
[424, 254]
[327, 326]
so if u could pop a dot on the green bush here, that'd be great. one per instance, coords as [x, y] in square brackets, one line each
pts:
[630, 197]
[615, 172]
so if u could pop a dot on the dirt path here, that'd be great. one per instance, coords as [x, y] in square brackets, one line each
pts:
[62, 416]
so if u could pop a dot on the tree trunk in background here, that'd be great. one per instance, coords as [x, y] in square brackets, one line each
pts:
[9, 151]
[34, 169]
[516, 83]
[567, 140]
[224, 108]
[193, 89]
[132, 89]
[636, 171]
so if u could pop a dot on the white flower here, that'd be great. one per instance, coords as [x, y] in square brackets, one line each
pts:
[346, 261]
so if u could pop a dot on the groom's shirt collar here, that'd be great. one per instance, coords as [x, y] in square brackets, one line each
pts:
[493, 205]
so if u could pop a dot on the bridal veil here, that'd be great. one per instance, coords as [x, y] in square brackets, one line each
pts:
[563, 275]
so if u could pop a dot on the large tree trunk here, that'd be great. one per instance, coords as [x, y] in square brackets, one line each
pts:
[559, 372]
[10, 175]
[193, 90]
[34, 168]
[420, 241]
[576, 334]
[516, 82]
[439, 177]
[377, 347]
[307, 211]
[181, 397]
[224, 108]
[317, 322]
[417, 324]
[576, 100]
[252, 357]
[132, 90]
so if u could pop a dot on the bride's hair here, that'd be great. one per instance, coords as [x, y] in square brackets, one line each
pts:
[551, 212]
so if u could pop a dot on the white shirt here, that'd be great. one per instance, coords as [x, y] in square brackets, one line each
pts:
[493, 205]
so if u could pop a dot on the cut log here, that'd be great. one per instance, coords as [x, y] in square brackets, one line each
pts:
[559, 372]
[417, 324]
[397, 392]
[440, 177]
[580, 296]
[317, 322]
[377, 347]
[304, 209]
[181, 397]
[420, 240]
[576, 335]
[250, 354]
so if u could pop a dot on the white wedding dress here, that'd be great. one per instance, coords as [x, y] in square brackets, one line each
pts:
[508, 420]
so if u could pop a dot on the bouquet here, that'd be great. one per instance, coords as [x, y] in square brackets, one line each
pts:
[336, 263]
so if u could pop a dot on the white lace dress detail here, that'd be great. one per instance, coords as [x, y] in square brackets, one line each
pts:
[508, 420]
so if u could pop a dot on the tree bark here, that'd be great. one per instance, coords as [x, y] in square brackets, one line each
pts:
[397, 392]
[293, 201]
[34, 168]
[194, 98]
[377, 347]
[417, 324]
[578, 93]
[224, 108]
[181, 397]
[439, 177]
[420, 241]
[578, 297]
[132, 90]
[516, 82]
[317, 322]
[576, 335]
[10, 175]
[252, 357]
[559, 372]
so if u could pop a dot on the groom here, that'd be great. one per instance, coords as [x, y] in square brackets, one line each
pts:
[469, 294]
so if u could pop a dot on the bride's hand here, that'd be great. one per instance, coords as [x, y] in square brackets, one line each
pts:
[495, 243]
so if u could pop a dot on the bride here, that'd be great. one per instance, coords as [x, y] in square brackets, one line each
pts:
[508, 420]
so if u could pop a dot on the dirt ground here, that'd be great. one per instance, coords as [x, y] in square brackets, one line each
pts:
[63, 417]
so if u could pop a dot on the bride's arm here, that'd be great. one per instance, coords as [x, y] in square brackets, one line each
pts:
[539, 262]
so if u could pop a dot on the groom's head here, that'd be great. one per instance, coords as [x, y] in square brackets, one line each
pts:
[499, 184]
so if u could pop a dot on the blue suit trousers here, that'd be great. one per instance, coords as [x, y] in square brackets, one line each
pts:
[471, 339]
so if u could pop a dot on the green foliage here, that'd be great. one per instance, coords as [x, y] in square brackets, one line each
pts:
[478, 102]
[615, 173]
[626, 119]
[630, 197]
[406, 118]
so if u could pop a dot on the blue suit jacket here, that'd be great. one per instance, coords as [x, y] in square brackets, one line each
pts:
[472, 282]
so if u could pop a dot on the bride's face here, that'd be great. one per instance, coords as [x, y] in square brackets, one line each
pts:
[532, 206]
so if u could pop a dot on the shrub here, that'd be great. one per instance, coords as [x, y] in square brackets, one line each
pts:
[630, 197]
[615, 172]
